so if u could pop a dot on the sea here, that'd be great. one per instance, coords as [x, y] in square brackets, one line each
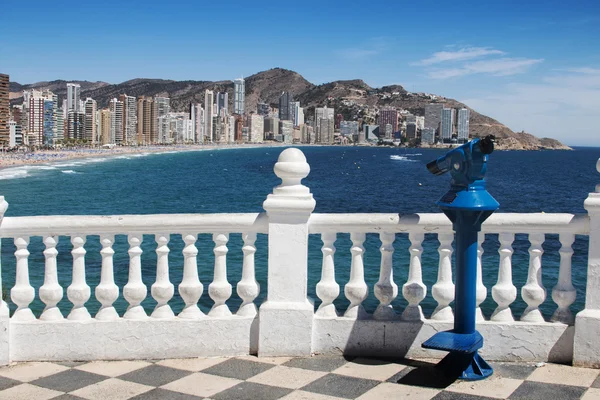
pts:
[342, 180]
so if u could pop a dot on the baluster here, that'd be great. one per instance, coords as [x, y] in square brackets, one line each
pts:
[22, 294]
[443, 289]
[78, 292]
[386, 289]
[51, 292]
[220, 289]
[190, 288]
[414, 291]
[162, 290]
[328, 289]
[564, 293]
[356, 289]
[504, 292]
[534, 292]
[107, 292]
[481, 291]
[135, 291]
[248, 288]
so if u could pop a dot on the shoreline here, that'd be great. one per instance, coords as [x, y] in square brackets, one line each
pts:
[42, 157]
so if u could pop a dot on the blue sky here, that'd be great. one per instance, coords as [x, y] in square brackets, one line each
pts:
[533, 65]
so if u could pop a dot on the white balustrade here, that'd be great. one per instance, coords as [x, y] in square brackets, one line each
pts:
[356, 290]
[51, 292]
[564, 294]
[248, 288]
[504, 292]
[22, 294]
[162, 289]
[135, 291]
[443, 290]
[190, 288]
[533, 293]
[78, 292]
[220, 289]
[328, 289]
[107, 292]
[386, 289]
[481, 290]
[414, 290]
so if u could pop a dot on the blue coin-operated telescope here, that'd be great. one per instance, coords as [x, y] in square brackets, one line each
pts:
[467, 204]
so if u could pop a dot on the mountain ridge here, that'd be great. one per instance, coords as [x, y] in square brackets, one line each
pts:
[352, 98]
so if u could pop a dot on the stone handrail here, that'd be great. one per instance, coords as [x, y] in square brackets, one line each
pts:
[286, 324]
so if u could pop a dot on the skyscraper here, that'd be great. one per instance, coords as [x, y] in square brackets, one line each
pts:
[256, 128]
[388, 116]
[73, 94]
[116, 128]
[263, 109]
[209, 98]
[146, 122]
[90, 121]
[163, 126]
[463, 124]
[239, 96]
[4, 104]
[41, 117]
[222, 101]
[129, 118]
[285, 113]
[104, 124]
[197, 117]
[297, 113]
[447, 124]
[324, 125]
[433, 116]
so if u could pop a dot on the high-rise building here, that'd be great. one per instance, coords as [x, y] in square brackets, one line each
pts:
[338, 120]
[285, 100]
[263, 109]
[60, 125]
[49, 123]
[90, 109]
[239, 96]
[463, 124]
[271, 127]
[146, 121]
[297, 113]
[447, 124]
[116, 109]
[433, 116]
[411, 130]
[209, 98]
[239, 128]
[428, 135]
[104, 126]
[349, 128]
[75, 125]
[388, 116]
[15, 134]
[73, 97]
[197, 117]
[4, 110]
[42, 114]
[286, 131]
[129, 119]
[222, 101]
[324, 130]
[256, 128]
[162, 107]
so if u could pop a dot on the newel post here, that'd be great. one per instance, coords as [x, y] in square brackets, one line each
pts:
[586, 346]
[4, 313]
[286, 317]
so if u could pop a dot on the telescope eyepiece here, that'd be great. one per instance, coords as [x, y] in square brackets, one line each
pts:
[486, 145]
[433, 167]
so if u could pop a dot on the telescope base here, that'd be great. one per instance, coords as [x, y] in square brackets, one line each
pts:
[466, 343]
[468, 367]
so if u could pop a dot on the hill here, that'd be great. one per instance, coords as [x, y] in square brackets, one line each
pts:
[351, 98]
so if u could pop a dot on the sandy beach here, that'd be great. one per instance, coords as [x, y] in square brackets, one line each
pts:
[49, 156]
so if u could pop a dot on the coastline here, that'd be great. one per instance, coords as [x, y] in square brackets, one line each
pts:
[9, 160]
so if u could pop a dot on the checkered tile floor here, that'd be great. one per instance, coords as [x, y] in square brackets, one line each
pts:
[315, 378]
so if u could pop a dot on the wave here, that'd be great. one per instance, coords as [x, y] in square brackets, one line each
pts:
[13, 173]
[70, 171]
[401, 158]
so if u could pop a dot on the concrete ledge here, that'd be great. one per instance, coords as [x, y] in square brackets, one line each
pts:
[132, 339]
[516, 341]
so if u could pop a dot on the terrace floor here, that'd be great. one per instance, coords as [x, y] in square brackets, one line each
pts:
[315, 378]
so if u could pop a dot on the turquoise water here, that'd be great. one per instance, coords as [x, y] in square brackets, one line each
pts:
[342, 180]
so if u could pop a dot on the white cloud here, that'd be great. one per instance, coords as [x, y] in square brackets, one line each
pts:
[562, 106]
[466, 53]
[495, 67]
